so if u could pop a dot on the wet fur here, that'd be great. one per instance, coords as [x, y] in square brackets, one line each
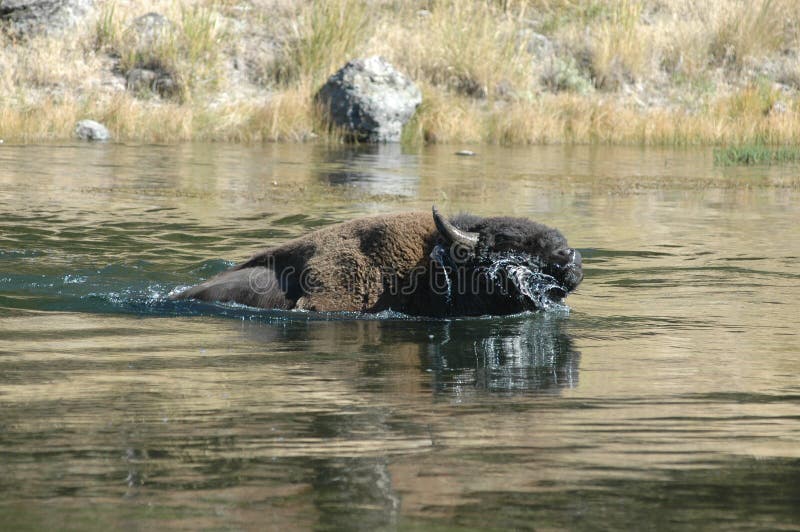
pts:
[371, 264]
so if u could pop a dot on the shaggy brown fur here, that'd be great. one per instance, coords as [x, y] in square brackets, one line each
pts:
[337, 268]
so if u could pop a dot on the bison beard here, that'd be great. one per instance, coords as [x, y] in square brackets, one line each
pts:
[412, 263]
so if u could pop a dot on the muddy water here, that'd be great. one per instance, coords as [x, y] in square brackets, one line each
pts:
[667, 397]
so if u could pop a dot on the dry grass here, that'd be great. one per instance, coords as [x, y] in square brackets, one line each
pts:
[749, 29]
[469, 48]
[321, 36]
[617, 51]
[516, 71]
[187, 46]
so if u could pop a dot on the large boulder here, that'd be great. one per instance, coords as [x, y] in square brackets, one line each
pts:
[91, 130]
[370, 100]
[28, 17]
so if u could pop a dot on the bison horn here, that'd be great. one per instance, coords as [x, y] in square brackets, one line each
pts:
[452, 233]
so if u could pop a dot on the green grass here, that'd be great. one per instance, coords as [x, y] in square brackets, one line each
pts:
[755, 154]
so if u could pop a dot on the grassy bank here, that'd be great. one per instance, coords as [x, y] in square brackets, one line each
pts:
[671, 72]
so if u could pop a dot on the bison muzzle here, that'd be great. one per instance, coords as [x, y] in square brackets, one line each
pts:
[410, 263]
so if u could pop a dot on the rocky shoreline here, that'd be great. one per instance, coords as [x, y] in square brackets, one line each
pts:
[625, 72]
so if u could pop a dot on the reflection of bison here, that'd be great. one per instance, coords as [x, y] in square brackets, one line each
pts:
[412, 263]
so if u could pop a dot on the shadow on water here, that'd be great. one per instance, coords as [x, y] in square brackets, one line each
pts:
[466, 358]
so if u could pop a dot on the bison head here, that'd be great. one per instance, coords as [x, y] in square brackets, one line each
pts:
[504, 265]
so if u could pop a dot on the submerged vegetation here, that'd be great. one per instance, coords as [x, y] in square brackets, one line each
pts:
[755, 154]
[673, 72]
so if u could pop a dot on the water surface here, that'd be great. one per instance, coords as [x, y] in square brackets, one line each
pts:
[667, 397]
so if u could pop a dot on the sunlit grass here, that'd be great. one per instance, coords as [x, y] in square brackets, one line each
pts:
[468, 48]
[672, 72]
[186, 46]
[617, 52]
[324, 35]
[290, 116]
[748, 29]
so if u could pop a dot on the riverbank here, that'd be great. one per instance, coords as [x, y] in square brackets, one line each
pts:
[668, 72]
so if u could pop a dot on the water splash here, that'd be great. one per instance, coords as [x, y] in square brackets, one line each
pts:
[528, 279]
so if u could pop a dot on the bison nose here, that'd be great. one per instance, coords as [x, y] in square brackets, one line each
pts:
[568, 256]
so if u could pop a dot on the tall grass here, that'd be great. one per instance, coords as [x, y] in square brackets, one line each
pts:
[617, 52]
[469, 48]
[324, 35]
[749, 29]
[723, 72]
[187, 46]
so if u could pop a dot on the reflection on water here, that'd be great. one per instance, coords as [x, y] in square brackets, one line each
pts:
[376, 169]
[517, 354]
[666, 397]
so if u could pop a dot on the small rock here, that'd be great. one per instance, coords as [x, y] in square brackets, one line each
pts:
[370, 100]
[165, 85]
[466, 153]
[778, 108]
[91, 130]
[141, 80]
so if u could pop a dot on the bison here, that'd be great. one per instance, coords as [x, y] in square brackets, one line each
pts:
[412, 263]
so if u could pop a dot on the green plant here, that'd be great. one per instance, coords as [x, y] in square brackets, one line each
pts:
[107, 28]
[755, 154]
[564, 75]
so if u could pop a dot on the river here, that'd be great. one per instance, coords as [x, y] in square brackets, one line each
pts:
[667, 397]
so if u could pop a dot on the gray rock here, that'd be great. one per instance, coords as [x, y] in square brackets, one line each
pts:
[29, 17]
[91, 130]
[537, 44]
[370, 100]
[141, 80]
